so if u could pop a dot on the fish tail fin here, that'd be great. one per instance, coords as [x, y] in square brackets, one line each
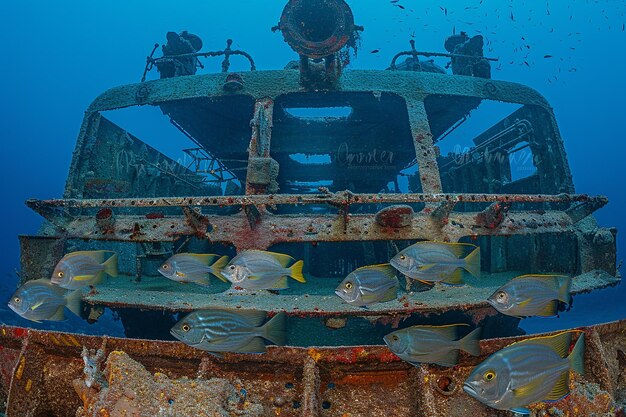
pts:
[217, 267]
[110, 266]
[295, 271]
[74, 302]
[564, 290]
[577, 357]
[471, 342]
[472, 263]
[274, 329]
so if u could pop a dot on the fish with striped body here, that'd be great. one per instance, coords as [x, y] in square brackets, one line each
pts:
[532, 295]
[533, 370]
[80, 269]
[194, 267]
[39, 300]
[438, 262]
[369, 285]
[224, 330]
[432, 344]
[261, 270]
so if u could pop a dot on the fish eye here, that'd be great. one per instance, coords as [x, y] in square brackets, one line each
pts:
[17, 300]
[60, 274]
[186, 327]
[395, 338]
[349, 285]
[489, 375]
[165, 266]
[501, 296]
[402, 257]
[232, 267]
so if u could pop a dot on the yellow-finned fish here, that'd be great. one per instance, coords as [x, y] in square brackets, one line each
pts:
[39, 300]
[261, 270]
[432, 344]
[80, 269]
[438, 262]
[226, 330]
[369, 285]
[533, 370]
[194, 267]
[532, 295]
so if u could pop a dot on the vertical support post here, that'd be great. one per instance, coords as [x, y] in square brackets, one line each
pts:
[311, 389]
[262, 169]
[424, 150]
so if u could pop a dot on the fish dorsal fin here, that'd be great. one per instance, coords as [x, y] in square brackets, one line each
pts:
[525, 391]
[552, 280]
[561, 388]
[457, 249]
[204, 258]
[449, 331]
[559, 342]
[256, 345]
[97, 255]
[386, 269]
[254, 318]
[284, 260]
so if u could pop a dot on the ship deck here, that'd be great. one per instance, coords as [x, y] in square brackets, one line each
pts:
[314, 298]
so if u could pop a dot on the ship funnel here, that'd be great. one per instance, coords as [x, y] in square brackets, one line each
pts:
[317, 30]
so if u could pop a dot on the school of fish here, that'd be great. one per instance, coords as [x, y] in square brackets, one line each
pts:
[535, 369]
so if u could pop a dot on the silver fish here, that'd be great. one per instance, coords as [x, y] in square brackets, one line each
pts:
[432, 344]
[261, 270]
[526, 372]
[224, 330]
[434, 262]
[80, 269]
[39, 300]
[369, 285]
[532, 295]
[193, 267]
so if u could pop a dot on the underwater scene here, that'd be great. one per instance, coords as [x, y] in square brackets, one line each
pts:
[313, 208]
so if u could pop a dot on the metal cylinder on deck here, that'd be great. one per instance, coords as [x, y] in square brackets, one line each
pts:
[317, 28]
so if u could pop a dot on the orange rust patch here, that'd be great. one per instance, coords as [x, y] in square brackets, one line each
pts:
[391, 378]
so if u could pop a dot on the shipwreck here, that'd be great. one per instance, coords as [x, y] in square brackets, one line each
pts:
[337, 167]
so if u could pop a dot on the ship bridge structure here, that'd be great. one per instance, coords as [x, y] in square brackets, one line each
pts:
[338, 167]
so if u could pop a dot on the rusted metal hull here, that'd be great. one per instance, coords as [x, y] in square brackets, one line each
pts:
[40, 371]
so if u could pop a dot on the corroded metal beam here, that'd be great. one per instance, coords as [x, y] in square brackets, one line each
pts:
[314, 378]
[338, 198]
[269, 229]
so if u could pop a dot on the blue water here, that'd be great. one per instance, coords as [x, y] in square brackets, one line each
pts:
[58, 56]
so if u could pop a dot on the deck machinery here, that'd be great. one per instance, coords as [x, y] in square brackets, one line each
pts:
[341, 168]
